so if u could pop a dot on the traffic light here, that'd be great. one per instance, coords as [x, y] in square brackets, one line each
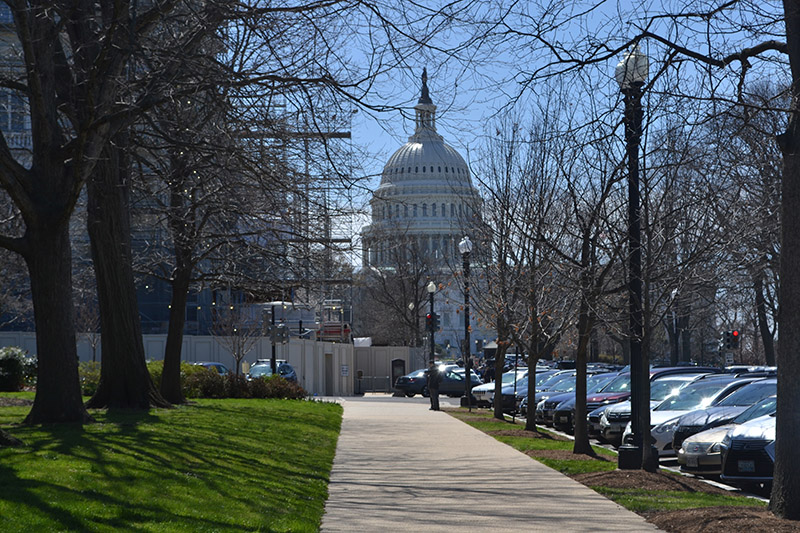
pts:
[730, 339]
[429, 322]
[436, 322]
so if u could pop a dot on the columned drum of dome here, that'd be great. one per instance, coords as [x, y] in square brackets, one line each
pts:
[425, 199]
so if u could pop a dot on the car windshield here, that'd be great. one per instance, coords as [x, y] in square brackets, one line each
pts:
[508, 377]
[541, 377]
[766, 406]
[698, 395]
[660, 389]
[257, 371]
[750, 393]
[548, 384]
[565, 385]
[620, 384]
[595, 383]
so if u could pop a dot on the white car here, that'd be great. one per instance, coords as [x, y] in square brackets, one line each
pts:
[483, 393]
[616, 417]
[704, 392]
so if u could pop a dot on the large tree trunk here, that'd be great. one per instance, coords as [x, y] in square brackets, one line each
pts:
[785, 498]
[171, 375]
[585, 324]
[763, 325]
[58, 391]
[125, 382]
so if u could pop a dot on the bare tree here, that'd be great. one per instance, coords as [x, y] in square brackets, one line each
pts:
[236, 329]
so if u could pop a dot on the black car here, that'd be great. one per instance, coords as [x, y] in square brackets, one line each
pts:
[285, 370]
[452, 383]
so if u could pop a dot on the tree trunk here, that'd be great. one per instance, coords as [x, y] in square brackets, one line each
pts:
[499, 363]
[763, 326]
[530, 415]
[670, 324]
[581, 442]
[58, 391]
[171, 375]
[785, 498]
[125, 382]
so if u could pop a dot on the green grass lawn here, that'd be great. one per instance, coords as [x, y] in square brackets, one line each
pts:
[215, 465]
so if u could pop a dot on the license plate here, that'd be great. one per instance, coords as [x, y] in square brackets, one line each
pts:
[747, 465]
[691, 461]
[563, 419]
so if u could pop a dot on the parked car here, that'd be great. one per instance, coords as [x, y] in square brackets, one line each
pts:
[701, 453]
[452, 383]
[706, 391]
[213, 365]
[725, 411]
[748, 454]
[513, 395]
[264, 369]
[482, 393]
[546, 409]
[616, 417]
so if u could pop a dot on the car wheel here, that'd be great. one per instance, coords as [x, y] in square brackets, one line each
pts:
[411, 394]
[425, 392]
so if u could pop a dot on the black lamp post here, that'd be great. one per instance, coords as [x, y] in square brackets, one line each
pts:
[465, 247]
[431, 288]
[631, 74]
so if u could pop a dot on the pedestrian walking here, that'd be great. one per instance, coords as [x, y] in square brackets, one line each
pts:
[433, 377]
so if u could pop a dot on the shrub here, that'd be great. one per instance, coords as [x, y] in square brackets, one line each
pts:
[276, 387]
[192, 377]
[12, 373]
[89, 373]
[236, 386]
[30, 370]
[155, 368]
[204, 383]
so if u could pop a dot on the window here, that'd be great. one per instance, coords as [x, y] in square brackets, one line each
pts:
[423, 169]
[415, 209]
[405, 212]
[444, 212]
[440, 169]
[424, 210]
[433, 210]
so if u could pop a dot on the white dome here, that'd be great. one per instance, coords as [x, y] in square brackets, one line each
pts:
[426, 161]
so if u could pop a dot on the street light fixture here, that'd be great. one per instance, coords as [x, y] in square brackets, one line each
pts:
[465, 247]
[631, 74]
[431, 288]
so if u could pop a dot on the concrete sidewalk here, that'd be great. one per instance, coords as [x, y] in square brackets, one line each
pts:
[401, 467]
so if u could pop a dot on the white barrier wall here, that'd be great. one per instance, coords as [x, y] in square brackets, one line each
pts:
[323, 368]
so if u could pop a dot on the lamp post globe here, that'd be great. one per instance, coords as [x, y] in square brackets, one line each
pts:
[633, 69]
[465, 245]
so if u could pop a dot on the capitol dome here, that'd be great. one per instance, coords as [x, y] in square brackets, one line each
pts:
[425, 198]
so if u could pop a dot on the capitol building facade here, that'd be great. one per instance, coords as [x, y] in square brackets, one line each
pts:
[425, 204]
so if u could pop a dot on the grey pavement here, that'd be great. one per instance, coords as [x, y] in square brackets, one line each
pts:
[400, 467]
